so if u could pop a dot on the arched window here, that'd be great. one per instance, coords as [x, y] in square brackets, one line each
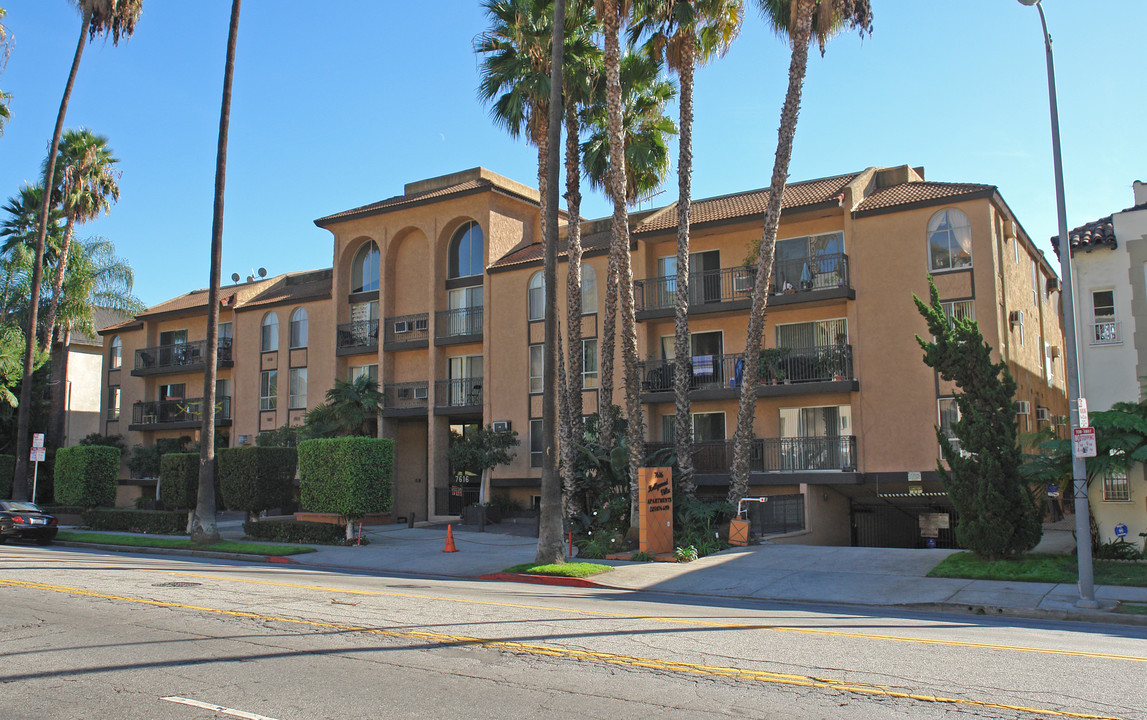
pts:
[466, 252]
[299, 328]
[116, 359]
[364, 269]
[588, 290]
[949, 240]
[270, 332]
[537, 297]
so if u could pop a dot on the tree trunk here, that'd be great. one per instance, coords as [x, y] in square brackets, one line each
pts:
[57, 405]
[574, 432]
[550, 548]
[23, 414]
[742, 440]
[683, 425]
[58, 284]
[204, 529]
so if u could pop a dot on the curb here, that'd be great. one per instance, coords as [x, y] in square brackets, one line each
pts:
[245, 557]
[541, 580]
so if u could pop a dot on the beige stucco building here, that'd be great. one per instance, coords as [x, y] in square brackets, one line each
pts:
[435, 292]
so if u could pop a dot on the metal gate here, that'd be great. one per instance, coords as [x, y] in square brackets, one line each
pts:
[896, 522]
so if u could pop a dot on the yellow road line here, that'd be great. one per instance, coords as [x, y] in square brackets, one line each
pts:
[589, 656]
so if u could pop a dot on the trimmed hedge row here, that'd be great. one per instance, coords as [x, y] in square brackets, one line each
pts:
[86, 475]
[164, 522]
[256, 478]
[291, 531]
[351, 476]
[7, 474]
[179, 480]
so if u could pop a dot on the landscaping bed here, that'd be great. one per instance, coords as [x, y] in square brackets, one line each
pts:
[1035, 567]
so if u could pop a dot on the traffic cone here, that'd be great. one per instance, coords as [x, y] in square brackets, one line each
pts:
[450, 539]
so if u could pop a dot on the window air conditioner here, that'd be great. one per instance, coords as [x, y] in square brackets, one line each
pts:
[501, 426]
[420, 393]
[1015, 317]
[401, 326]
[1023, 407]
[1010, 229]
[421, 324]
[1041, 414]
[1053, 351]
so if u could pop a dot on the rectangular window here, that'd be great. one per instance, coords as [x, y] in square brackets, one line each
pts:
[359, 370]
[959, 310]
[297, 391]
[536, 444]
[537, 368]
[298, 329]
[589, 363]
[269, 390]
[820, 333]
[1035, 283]
[1020, 325]
[113, 402]
[949, 414]
[708, 427]
[1104, 330]
[1016, 247]
[1116, 488]
[173, 337]
[224, 332]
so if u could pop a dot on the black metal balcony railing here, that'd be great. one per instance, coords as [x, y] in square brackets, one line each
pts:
[707, 286]
[776, 365]
[460, 392]
[809, 274]
[405, 396]
[407, 328]
[775, 454]
[178, 411]
[358, 334]
[458, 322]
[179, 355]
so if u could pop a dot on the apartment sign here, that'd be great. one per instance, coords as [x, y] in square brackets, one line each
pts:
[1083, 442]
[655, 514]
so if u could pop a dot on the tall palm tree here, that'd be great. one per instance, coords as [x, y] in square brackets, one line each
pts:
[18, 231]
[685, 33]
[203, 527]
[108, 18]
[5, 48]
[801, 21]
[89, 184]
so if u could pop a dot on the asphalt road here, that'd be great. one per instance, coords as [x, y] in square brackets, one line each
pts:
[85, 634]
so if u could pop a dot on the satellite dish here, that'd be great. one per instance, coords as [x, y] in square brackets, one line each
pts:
[262, 272]
[235, 277]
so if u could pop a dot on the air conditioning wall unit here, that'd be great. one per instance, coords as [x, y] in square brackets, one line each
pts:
[1011, 229]
[1023, 407]
[422, 324]
[1042, 414]
[401, 326]
[501, 425]
[420, 393]
[1015, 317]
[1053, 351]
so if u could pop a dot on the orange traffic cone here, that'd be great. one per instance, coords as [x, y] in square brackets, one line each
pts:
[450, 539]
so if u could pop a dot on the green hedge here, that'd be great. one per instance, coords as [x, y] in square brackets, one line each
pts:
[7, 474]
[63, 509]
[351, 476]
[256, 478]
[165, 522]
[295, 532]
[179, 480]
[86, 475]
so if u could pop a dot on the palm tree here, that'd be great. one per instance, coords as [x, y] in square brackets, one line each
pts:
[351, 410]
[19, 230]
[685, 33]
[5, 48]
[203, 528]
[800, 21]
[89, 184]
[109, 18]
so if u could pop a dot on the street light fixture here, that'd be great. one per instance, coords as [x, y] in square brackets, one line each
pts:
[1071, 354]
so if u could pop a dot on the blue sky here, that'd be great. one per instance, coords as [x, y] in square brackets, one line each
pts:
[339, 107]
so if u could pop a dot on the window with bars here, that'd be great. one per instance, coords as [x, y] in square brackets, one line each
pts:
[1116, 487]
[956, 310]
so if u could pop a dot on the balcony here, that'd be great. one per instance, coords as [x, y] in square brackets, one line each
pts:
[714, 458]
[181, 357]
[403, 332]
[781, 371]
[461, 396]
[177, 414]
[359, 336]
[405, 399]
[1106, 333]
[460, 325]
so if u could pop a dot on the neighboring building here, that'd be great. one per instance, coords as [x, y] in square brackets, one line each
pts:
[82, 399]
[1109, 271]
[436, 293]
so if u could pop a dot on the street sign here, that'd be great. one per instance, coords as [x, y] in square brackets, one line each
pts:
[1053, 491]
[38, 454]
[37, 440]
[1121, 530]
[1083, 442]
[1084, 421]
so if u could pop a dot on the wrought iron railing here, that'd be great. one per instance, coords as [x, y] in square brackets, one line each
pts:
[460, 392]
[705, 286]
[179, 355]
[407, 328]
[405, 396]
[460, 321]
[357, 334]
[1106, 333]
[776, 365]
[775, 454]
[706, 372]
[178, 411]
[809, 274]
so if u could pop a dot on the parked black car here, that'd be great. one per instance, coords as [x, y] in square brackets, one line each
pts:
[26, 520]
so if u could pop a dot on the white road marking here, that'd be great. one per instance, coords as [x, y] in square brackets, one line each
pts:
[216, 708]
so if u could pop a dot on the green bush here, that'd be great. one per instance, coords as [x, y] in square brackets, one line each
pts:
[165, 522]
[295, 532]
[351, 476]
[7, 473]
[62, 509]
[86, 475]
[256, 478]
[179, 480]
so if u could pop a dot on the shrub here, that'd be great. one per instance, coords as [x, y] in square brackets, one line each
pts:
[86, 475]
[7, 473]
[115, 441]
[145, 459]
[179, 480]
[351, 476]
[285, 436]
[294, 532]
[164, 522]
[256, 478]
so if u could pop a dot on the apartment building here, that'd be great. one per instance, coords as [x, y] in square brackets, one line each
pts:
[437, 293]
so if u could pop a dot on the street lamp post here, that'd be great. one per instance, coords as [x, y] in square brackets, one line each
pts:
[1071, 356]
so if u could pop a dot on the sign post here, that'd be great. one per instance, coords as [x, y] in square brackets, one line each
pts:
[37, 457]
[1083, 442]
[655, 510]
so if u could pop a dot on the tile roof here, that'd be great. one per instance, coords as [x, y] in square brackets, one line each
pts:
[1095, 234]
[103, 318]
[918, 192]
[296, 287]
[399, 201]
[525, 253]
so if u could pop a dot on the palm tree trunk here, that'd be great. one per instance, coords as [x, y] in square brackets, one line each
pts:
[50, 338]
[23, 415]
[203, 527]
[683, 426]
[550, 549]
[573, 431]
[57, 410]
[789, 112]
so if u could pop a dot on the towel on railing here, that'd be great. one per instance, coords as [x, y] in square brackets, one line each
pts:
[703, 365]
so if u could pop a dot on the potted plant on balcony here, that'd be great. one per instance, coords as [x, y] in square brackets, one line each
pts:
[840, 354]
[770, 367]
